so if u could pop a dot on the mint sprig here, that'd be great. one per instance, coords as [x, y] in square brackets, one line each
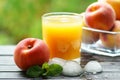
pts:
[53, 70]
[44, 70]
[34, 71]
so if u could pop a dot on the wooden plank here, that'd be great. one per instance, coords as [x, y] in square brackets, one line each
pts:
[19, 79]
[67, 78]
[7, 49]
[104, 76]
[111, 66]
[111, 71]
[7, 60]
[8, 69]
[86, 57]
[12, 74]
[5, 68]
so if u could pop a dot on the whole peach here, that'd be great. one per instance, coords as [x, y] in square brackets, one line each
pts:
[89, 36]
[100, 15]
[116, 6]
[30, 52]
[110, 40]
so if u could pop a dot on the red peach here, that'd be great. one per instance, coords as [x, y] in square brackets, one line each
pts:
[116, 6]
[100, 15]
[89, 36]
[30, 52]
[111, 40]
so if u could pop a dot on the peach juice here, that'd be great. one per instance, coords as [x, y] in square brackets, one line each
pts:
[62, 32]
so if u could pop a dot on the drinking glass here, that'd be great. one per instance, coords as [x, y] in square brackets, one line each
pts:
[62, 33]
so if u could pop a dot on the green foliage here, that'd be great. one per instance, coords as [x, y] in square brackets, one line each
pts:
[70, 5]
[34, 71]
[45, 71]
[22, 18]
[52, 70]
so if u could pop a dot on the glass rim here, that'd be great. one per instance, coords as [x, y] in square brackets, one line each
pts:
[60, 13]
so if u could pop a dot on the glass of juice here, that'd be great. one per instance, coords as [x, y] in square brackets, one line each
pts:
[62, 32]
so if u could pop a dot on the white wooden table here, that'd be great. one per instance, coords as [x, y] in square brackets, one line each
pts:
[8, 69]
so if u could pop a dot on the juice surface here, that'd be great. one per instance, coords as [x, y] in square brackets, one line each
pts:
[63, 36]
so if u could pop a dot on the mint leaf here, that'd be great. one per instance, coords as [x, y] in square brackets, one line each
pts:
[34, 71]
[54, 70]
[44, 71]
[45, 66]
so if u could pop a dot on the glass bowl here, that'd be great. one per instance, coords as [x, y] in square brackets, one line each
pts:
[100, 42]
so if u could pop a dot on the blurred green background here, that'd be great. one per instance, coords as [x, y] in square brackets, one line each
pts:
[20, 19]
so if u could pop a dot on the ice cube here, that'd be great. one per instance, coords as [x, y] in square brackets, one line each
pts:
[93, 67]
[72, 68]
[56, 60]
